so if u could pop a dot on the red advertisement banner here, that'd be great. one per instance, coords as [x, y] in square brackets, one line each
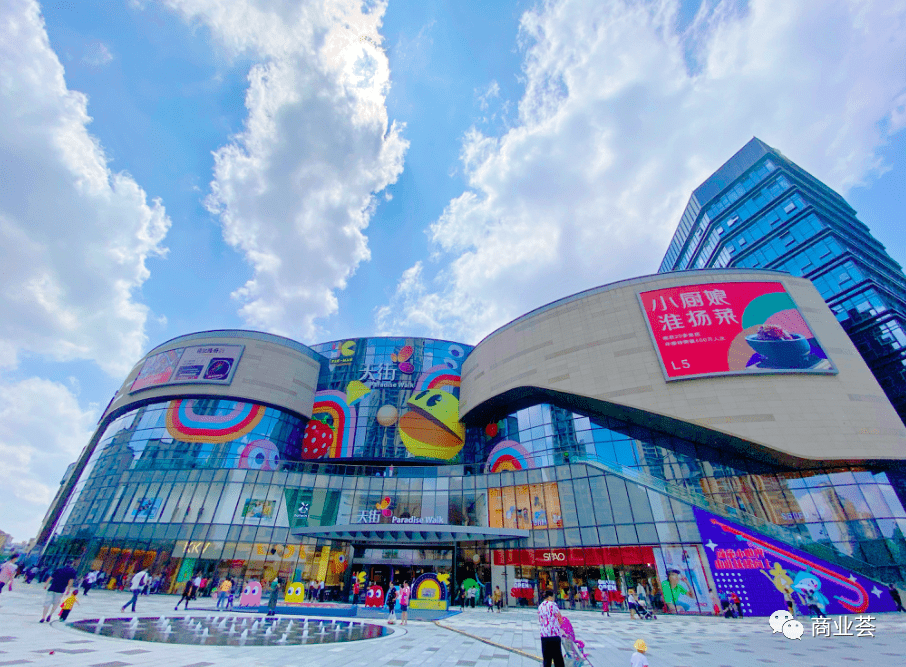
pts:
[575, 556]
[731, 328]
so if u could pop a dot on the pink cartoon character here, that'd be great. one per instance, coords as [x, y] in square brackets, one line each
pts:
[251, 594]
[374, 597]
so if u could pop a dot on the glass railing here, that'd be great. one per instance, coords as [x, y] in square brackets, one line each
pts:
[683, 493]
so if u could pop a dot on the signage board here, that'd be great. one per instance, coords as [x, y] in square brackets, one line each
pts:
[760, 570]
[731, 328]
[204, 364]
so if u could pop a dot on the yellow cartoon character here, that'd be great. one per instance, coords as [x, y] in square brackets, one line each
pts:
[361, 577]
[780, 577]
[431, 427]
[444, 579]
[295, 593]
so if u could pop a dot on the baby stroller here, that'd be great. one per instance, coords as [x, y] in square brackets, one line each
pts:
[573, 647]
[643, 611]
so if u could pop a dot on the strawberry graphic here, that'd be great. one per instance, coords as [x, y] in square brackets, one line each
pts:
[317, 440]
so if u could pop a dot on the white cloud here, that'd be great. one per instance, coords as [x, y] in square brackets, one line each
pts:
[621, 119]
[97, 55]
[74, 236]
[295, 189]
[42, 431]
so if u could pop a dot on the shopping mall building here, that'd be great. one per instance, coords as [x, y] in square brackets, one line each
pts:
[696, 430]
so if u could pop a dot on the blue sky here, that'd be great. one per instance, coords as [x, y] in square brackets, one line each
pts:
[333, 168]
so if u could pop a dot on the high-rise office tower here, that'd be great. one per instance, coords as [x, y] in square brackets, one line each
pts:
[760, 210]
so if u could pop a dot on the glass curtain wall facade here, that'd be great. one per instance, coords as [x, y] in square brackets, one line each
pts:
[760, 210]
[229, 508]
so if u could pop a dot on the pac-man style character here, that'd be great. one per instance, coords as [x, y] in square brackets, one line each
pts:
[251, 594]
[295, 593]
[258, 455]
[444, 579]
[361, 577]
[431, 428]
[374, 597]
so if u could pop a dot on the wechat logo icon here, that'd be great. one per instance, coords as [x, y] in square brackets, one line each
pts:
[783, 621]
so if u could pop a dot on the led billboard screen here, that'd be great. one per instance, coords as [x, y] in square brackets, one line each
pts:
[205, 364]
[731, 328]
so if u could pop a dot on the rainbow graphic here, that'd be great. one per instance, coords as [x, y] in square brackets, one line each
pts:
[428, 592]
[184, 424]
[334, 404]
[509, 455]
[439, 376]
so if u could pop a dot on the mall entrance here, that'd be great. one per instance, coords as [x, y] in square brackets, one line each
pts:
[383, 566]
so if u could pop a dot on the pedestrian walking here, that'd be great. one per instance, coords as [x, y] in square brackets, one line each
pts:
[321, 591]
[223, 592]
[498, 598]
[471, 595]
[8, 572]
[632, 603]
[188, 593]
[68, 604]
[89, 581]
[551, 621]
[57, 585]
[405, 592]
[139, 580]
[639, 659]
[196, 585]
[355, 592]
[737, 603]
[391, 604]
[272, 600]
[895, 594]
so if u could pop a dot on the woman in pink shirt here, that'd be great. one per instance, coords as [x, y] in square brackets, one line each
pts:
[8, 573]
[405, 591]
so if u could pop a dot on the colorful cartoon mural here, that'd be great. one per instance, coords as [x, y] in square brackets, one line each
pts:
[401, 394]
[331, 429]
[256, 455]
[187, 425]
[508, 455]
[429, 592]
[759, 569]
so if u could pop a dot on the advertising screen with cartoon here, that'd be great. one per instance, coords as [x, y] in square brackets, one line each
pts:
[761, 570]
[731, 328]
[386, 398]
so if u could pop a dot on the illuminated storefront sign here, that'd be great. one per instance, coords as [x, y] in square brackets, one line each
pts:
[384, 510]
[578, 556]
[731, 328]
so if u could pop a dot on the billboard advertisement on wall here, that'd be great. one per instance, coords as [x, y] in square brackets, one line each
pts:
[760, 570]
[731, 328]
[525, 506]
[205, 364]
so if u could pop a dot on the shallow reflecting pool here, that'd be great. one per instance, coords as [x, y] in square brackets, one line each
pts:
[232, 630]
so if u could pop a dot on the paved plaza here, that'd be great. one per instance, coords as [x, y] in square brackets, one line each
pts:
[471, 639]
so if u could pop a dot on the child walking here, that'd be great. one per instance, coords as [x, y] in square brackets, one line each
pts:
[638, 658]
[68, 604]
